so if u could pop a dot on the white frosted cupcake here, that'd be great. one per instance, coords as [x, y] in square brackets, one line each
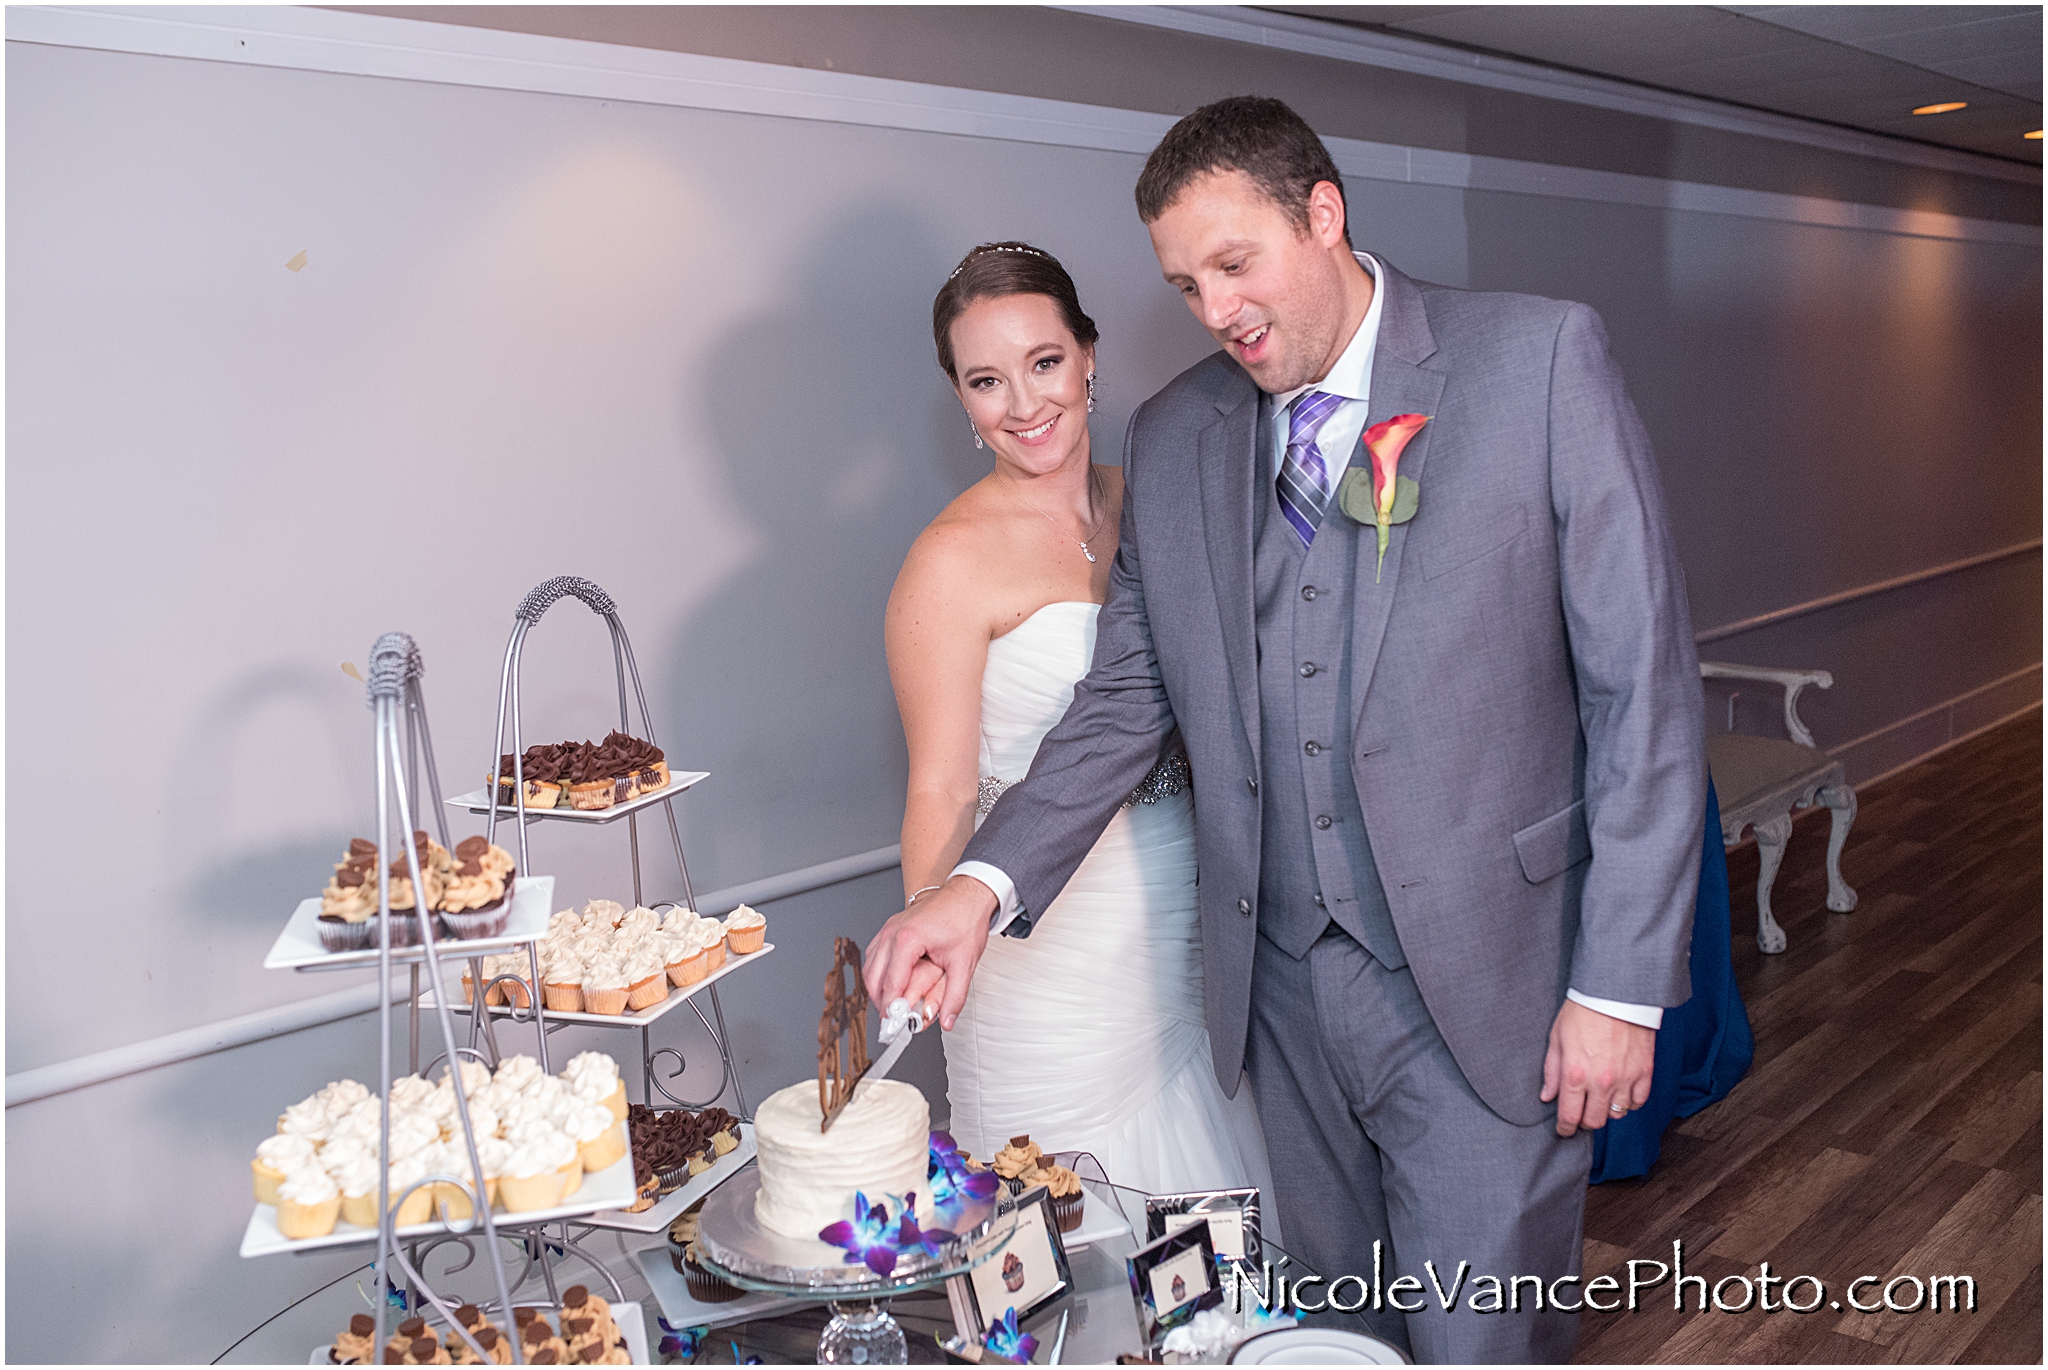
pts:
[307, 1118]
[357, 1179]
[517, 1072]
[308, 1203]
[745, 931]
[605, 985]
[603, 914]
[277, 1156]
[562, 978]
[408, 1091]
[599, 1138]
[646, 975]
[594, 1077]
[407, 1171]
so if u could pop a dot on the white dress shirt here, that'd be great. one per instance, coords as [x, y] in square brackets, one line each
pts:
[1351, 378]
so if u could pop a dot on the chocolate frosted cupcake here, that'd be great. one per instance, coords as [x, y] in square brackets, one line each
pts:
[588, 773]
[638, 763]
[541, 768]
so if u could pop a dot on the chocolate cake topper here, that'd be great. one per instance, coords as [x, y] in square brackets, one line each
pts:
[842, 1033]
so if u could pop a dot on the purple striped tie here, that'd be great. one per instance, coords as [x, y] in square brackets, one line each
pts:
[1304, 481]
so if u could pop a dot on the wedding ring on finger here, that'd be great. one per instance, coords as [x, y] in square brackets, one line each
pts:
[1618, 1110]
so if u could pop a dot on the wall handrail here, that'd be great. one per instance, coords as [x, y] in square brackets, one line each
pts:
[61, 1077]
[1875, 587]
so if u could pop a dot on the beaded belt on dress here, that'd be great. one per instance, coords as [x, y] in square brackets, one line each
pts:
[1170, 776]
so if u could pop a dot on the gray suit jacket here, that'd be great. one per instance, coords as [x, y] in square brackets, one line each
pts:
[1529, 752]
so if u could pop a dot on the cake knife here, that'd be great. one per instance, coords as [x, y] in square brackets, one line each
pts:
[901, 1023]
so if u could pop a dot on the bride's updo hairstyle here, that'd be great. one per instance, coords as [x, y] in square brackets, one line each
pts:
[994, 270]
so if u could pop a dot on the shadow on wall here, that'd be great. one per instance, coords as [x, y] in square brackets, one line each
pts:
[837, 435]
[258, 888]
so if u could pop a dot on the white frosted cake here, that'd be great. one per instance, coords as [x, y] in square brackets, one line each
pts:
[878, 1145]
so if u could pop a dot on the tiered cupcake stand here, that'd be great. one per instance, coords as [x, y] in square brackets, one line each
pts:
[399, 705]
[486, 802]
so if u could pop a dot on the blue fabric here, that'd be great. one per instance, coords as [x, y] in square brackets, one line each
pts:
[1705, 1044]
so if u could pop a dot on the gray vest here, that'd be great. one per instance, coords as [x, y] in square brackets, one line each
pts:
[1315, 864]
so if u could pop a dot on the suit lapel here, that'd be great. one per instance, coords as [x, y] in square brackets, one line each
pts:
[1400, 385]
[1224, 449]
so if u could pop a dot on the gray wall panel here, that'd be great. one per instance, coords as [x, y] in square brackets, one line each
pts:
[685, 353]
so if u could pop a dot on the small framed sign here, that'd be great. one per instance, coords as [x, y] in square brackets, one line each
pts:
[1029, 1272]
[1172, 1279]
[1232, 1216]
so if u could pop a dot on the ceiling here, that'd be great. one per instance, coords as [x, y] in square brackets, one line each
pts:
[1858, 66]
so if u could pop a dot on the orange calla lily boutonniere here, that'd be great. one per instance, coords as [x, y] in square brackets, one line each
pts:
[1377, 495]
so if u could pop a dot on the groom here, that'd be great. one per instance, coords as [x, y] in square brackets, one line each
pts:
[1449, 788]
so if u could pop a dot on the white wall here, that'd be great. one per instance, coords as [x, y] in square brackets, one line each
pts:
[683, 353]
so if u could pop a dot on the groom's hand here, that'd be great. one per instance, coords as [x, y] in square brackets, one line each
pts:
[1596, 1064]
[948, 929]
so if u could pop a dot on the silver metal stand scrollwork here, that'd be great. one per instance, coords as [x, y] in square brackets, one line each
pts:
[529, 612]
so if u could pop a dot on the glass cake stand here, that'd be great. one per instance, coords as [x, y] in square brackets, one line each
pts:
[732, 1241]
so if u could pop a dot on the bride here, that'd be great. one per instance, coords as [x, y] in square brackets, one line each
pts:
[1088, 1034]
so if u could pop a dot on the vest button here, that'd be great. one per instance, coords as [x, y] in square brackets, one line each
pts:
[1323, 820]
[1252, 785]
[1244, 906]
[1308, 592]
[1308, 668]
[1319, 900]
[1312, 748]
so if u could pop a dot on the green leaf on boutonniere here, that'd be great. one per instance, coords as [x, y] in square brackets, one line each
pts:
[1354, 495]
[1406, 494]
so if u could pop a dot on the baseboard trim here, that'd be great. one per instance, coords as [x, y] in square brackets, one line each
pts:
[1975, 710]
[1884, 752]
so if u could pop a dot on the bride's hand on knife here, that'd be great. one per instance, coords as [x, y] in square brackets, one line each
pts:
[934, 945]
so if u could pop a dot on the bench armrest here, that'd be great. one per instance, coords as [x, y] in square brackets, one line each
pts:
[1792, 681]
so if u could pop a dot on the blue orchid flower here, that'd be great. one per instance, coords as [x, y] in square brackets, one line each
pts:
[684, 1341]
[871, 1240]
[865, 1239]
[750, 1360]
[1006, 1341]
[952, 1181]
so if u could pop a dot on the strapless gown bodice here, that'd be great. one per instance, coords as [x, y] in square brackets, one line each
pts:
[1089, 1034]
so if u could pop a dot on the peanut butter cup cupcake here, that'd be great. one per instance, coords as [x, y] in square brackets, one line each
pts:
[477, 899]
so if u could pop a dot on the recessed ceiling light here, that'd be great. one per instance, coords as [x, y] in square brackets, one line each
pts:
[2035, 135]
[1943, 108]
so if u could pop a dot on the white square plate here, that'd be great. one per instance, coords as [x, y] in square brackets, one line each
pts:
[299, 947]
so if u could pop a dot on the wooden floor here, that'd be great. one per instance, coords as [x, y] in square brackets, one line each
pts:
[1891, 1124]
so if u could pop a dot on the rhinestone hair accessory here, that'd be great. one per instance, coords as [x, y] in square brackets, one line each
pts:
[988, 248]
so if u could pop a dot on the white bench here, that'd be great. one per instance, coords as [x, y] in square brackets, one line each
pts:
[1761, 780]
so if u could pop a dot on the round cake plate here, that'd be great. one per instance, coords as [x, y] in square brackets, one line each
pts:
[731, 1238]
[732, 1241]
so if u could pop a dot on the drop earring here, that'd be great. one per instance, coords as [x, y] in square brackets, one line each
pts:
[977, 433]
[1091, 392]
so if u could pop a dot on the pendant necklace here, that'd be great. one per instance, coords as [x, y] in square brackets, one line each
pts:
[1083, 542]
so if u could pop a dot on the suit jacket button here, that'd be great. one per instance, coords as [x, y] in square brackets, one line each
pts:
[1322, 820]
[1319, 901]
[1244, 906]
[1312, 748]
[1308, 592]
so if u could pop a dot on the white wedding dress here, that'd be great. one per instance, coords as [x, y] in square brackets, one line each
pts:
[1089, 1034]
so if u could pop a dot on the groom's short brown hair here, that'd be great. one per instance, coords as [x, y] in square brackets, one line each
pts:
[1254, 134]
